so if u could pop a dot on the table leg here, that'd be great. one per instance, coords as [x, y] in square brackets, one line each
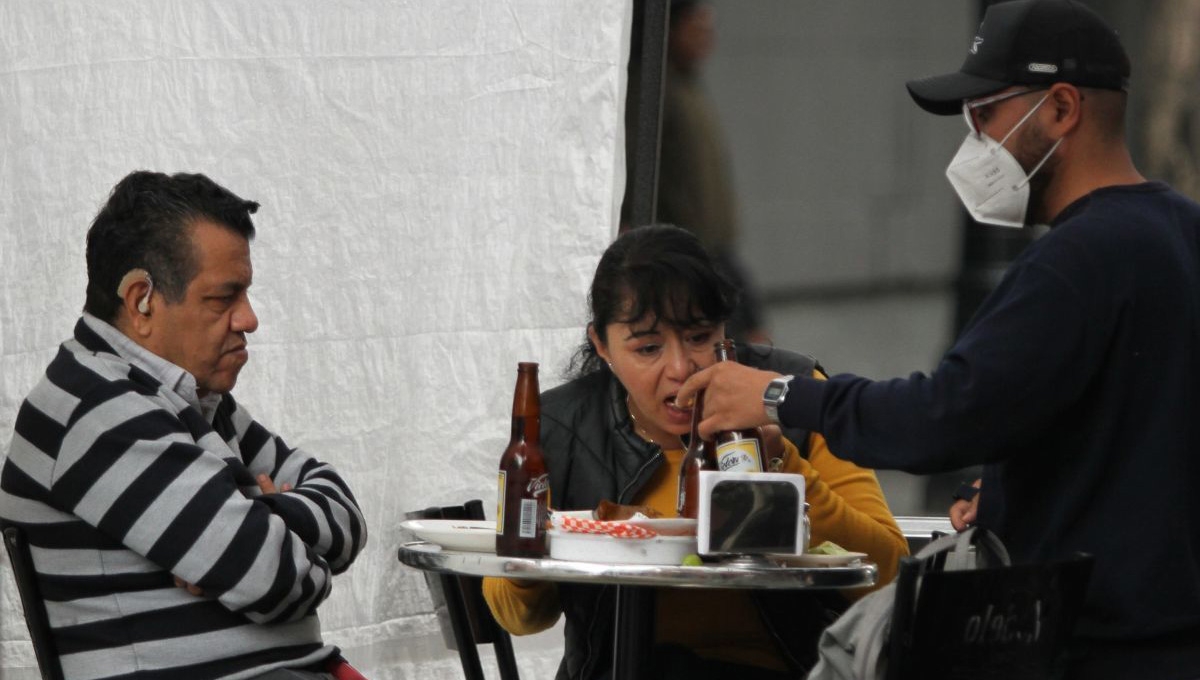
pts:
[634, 636]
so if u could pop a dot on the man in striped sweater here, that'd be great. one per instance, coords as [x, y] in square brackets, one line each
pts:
[172, 534]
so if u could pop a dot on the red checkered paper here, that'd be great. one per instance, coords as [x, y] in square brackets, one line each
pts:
[594, 526]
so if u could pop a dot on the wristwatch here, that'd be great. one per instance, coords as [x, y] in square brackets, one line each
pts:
[774, 395]
[965, 492]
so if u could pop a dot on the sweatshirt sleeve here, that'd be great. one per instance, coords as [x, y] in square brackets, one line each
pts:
[1028, 355]
[319, 508]
[130, 468]
[521, 606]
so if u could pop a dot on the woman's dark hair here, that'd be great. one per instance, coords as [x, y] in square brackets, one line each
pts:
[147, 223]
[658, 271]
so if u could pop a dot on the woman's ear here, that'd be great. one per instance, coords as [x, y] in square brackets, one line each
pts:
[601, 348]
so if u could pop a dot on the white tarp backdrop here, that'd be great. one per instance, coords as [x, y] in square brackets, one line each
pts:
[437, 180]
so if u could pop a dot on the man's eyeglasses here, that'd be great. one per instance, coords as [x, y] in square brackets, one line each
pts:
[970, 105]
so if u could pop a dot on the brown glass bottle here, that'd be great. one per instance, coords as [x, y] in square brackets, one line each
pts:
[523, 497]
[699, 457]
[737, 450]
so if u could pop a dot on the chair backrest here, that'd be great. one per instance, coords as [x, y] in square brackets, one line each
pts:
[985, 624]
[919, 531]
[464, 614]
[36, 618]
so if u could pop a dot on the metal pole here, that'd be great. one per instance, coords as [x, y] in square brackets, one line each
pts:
[647, 73]
[634, 634]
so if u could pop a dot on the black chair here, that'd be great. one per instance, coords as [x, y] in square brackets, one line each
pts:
[460, 607]
[985, 624]
[31, 601]
[39, 622]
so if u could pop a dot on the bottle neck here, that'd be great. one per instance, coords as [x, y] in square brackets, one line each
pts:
[697, 414]
[527, 406]
[526, 428]
[725, 350]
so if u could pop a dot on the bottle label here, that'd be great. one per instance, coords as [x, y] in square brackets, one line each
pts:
[529, 517]
[503, 477]
[539, 485]
[741, 455]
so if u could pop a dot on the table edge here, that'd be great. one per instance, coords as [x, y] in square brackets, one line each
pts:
[724, 575]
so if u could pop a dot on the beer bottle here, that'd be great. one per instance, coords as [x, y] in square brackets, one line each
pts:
[698, 457]
[737, 450]
[523, 496]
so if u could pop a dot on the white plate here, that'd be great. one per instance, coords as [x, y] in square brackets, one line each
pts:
[664, 526]
[670, 550]
[556, 516]
[819, 560]
[455, 534]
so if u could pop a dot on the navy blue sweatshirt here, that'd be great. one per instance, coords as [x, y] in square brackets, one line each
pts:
[1078, 385]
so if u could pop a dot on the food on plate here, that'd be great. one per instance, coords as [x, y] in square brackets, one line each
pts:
[828, 548]
[607, 511]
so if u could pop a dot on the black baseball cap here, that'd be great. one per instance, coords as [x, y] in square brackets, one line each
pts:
[1030, 42]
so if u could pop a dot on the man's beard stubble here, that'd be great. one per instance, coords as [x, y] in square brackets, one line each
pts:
[1032, 148]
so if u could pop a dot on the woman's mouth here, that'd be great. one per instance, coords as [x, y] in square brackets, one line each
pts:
[676, 414]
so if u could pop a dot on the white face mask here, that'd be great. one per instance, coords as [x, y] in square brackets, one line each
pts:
[989, 181]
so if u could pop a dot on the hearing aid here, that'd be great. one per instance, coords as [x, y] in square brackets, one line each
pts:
[143, 306]
[131, 277]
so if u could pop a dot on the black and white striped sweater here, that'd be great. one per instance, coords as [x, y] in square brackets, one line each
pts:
[121, 482]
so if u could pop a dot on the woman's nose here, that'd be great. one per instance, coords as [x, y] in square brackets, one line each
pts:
[680, 363]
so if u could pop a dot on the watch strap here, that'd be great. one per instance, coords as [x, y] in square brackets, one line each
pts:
[772, 403]
[965, 492]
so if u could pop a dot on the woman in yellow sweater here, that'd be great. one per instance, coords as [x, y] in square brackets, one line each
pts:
[614, 433]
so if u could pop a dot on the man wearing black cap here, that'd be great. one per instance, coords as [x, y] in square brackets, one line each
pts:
[1077, 383]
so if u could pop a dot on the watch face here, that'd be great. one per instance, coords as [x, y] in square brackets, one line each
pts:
[774, 390]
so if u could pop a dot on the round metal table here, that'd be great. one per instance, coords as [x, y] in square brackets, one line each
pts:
[635, 601]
